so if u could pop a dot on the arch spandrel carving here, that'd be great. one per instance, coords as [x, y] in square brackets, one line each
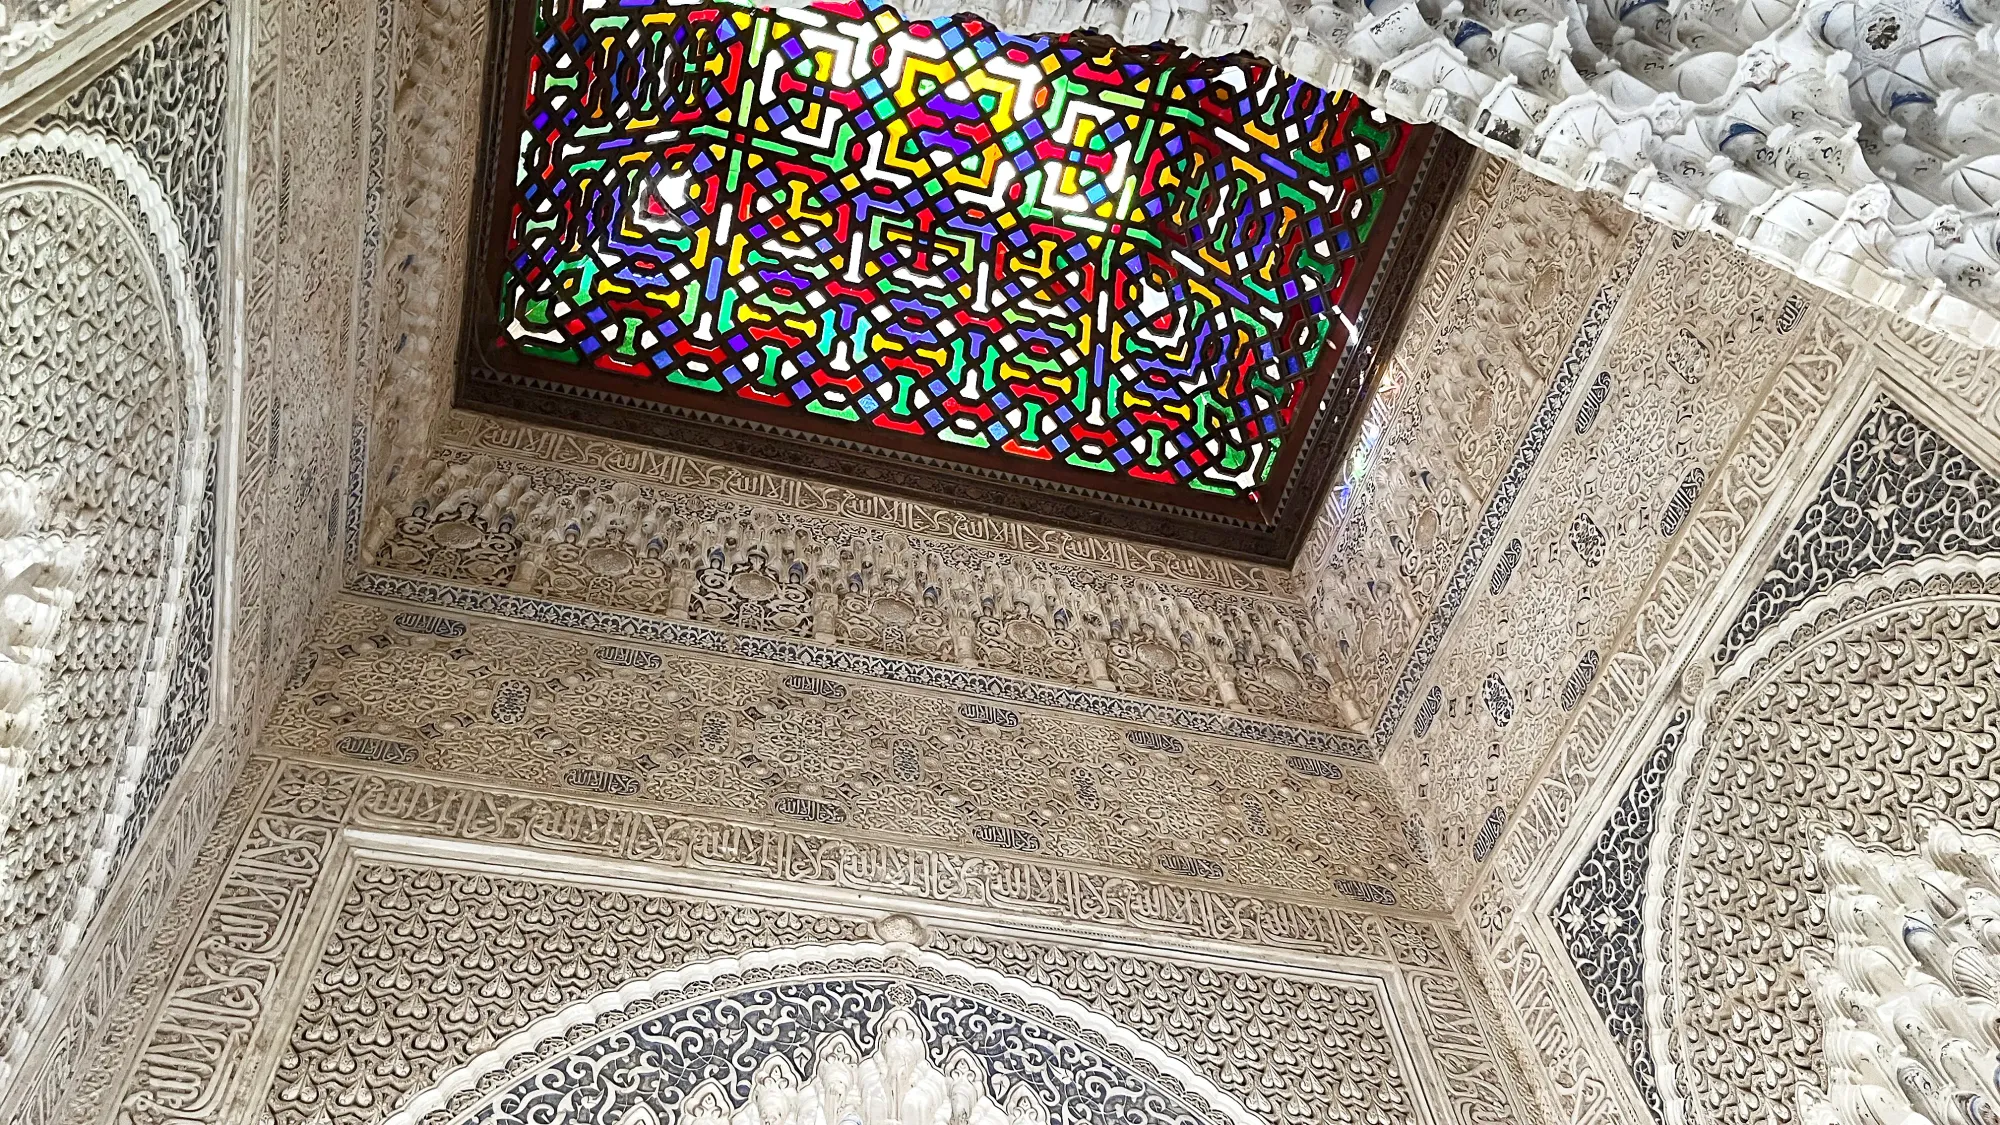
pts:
[102, 407]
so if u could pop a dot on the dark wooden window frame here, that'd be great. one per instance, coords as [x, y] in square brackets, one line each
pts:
[1270, 529]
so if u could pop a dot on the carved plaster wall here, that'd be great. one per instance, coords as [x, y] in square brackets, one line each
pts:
[1894, 684]
[429, 82]
[682, 539]
[1627, 449]
[375, 932]
[636, 674]
[1464, 590]
[311, 198]
[1519, 293]
[552, 707]
[279, 254]
[114, 294]
[681, 729]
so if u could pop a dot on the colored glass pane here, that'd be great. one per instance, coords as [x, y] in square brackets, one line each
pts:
[1127, 261]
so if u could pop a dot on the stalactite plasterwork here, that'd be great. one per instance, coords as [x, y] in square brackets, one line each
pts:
[1910, 998]
[575, 538]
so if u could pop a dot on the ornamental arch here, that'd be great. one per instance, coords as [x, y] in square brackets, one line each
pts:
[1839, 702]
[103, 435]
[1865, 714]
[867, 1032]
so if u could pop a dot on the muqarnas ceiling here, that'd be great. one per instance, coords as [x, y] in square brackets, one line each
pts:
[1130, 288]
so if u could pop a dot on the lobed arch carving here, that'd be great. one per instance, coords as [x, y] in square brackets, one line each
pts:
[1867, 713]
[103, 455]
[865, 1033]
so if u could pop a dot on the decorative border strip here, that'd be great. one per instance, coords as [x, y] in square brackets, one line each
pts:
[367, 346]
[1582, 347]
[1840, 534]
[357, 486]
[484, 812]
[826, 658]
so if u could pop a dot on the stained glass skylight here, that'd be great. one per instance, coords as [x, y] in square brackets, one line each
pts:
[1122, 270]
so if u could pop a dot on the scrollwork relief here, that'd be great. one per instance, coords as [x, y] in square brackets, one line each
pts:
[165, 104]
[1966, 376]
[117, 424]
[560, 713]
[1901, 492]
[1686, 588]
[490, 986]
[190, 688]
[314, 130]
[1486, 360]
[1600, 915]
[1755, 469]
[83, 1085]
[412, 724]
[1292, 1044]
